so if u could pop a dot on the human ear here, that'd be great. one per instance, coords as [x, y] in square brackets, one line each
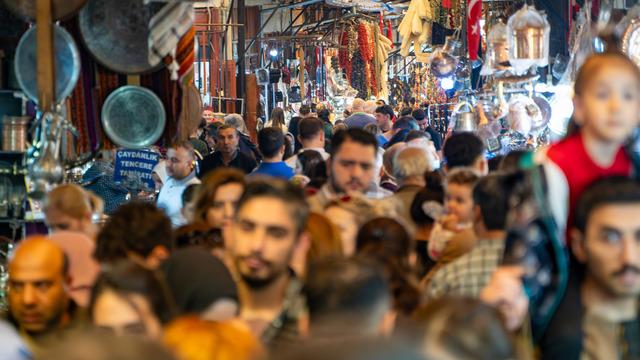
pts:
[157, 256]
[299, 257]
[477, 214]
[578, 245]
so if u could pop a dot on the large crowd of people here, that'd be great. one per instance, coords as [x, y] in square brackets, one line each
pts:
[367, 238]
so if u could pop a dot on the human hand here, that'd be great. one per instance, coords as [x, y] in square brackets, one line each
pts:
[450, 222]
[505, 292]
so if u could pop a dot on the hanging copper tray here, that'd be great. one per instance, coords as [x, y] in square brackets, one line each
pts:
[62, 9]
[116, 32]
[66, 63]
[133, 117]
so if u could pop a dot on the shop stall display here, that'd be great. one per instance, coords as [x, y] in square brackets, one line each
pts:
[139, 73]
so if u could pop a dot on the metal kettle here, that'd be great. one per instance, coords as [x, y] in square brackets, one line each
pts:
[465, 121]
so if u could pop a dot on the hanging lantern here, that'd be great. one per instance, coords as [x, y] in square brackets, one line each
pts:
[452, 46]
[442, 64]
[497, 48]
[528, 39]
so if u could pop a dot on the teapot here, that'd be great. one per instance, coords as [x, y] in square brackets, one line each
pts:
[465, 121]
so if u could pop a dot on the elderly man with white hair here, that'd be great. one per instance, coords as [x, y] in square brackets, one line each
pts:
[359, 117]
[409, 167]
[370, 107]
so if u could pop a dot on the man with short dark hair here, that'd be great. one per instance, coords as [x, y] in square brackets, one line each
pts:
[181, 164]
[138, 231]
[227, 153]
[305, 112]
[465, 150]
[406, 111]
[352, 168]
[211, 134]
[266, 231]
[312, 137]
[384, 120]
[421, 118]
[400, 129]
[346, 298]
[598, 317]
[271, 145]
[38, 298]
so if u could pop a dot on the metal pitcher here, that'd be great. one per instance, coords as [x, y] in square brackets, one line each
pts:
[14, 133]
[464, 121]
[46, 170]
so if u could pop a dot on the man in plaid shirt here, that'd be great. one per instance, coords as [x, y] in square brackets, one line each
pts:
[467, 275]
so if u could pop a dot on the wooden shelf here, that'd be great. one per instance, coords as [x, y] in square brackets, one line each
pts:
[12, 152]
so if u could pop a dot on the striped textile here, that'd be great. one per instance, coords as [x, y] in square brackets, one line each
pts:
[166, 28]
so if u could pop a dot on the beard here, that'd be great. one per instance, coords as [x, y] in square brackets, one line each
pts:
[256, 282]
[340, 190]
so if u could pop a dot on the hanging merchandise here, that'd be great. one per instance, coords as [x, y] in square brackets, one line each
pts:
[358, 77]
[463, 121]
[415, 27]
[528, 39]
[523, 113]
[371, 6]
[343, 51]
[474, 13]
[340, 3]
[497, 49]
[631, 34]
[443, 64]
[383, 47]
[366, 45]
[116, 33]
[444, 61]
[166, 28]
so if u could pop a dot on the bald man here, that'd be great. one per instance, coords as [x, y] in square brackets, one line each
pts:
[38, 283]
[359, 117]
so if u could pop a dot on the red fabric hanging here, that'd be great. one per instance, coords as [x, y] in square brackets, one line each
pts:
[447, 4]
[390, 32]
[474, 13]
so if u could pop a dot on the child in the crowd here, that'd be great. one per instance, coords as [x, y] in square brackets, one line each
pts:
[598, 145]
[189, 201]
[607, 111]
[452, 234]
